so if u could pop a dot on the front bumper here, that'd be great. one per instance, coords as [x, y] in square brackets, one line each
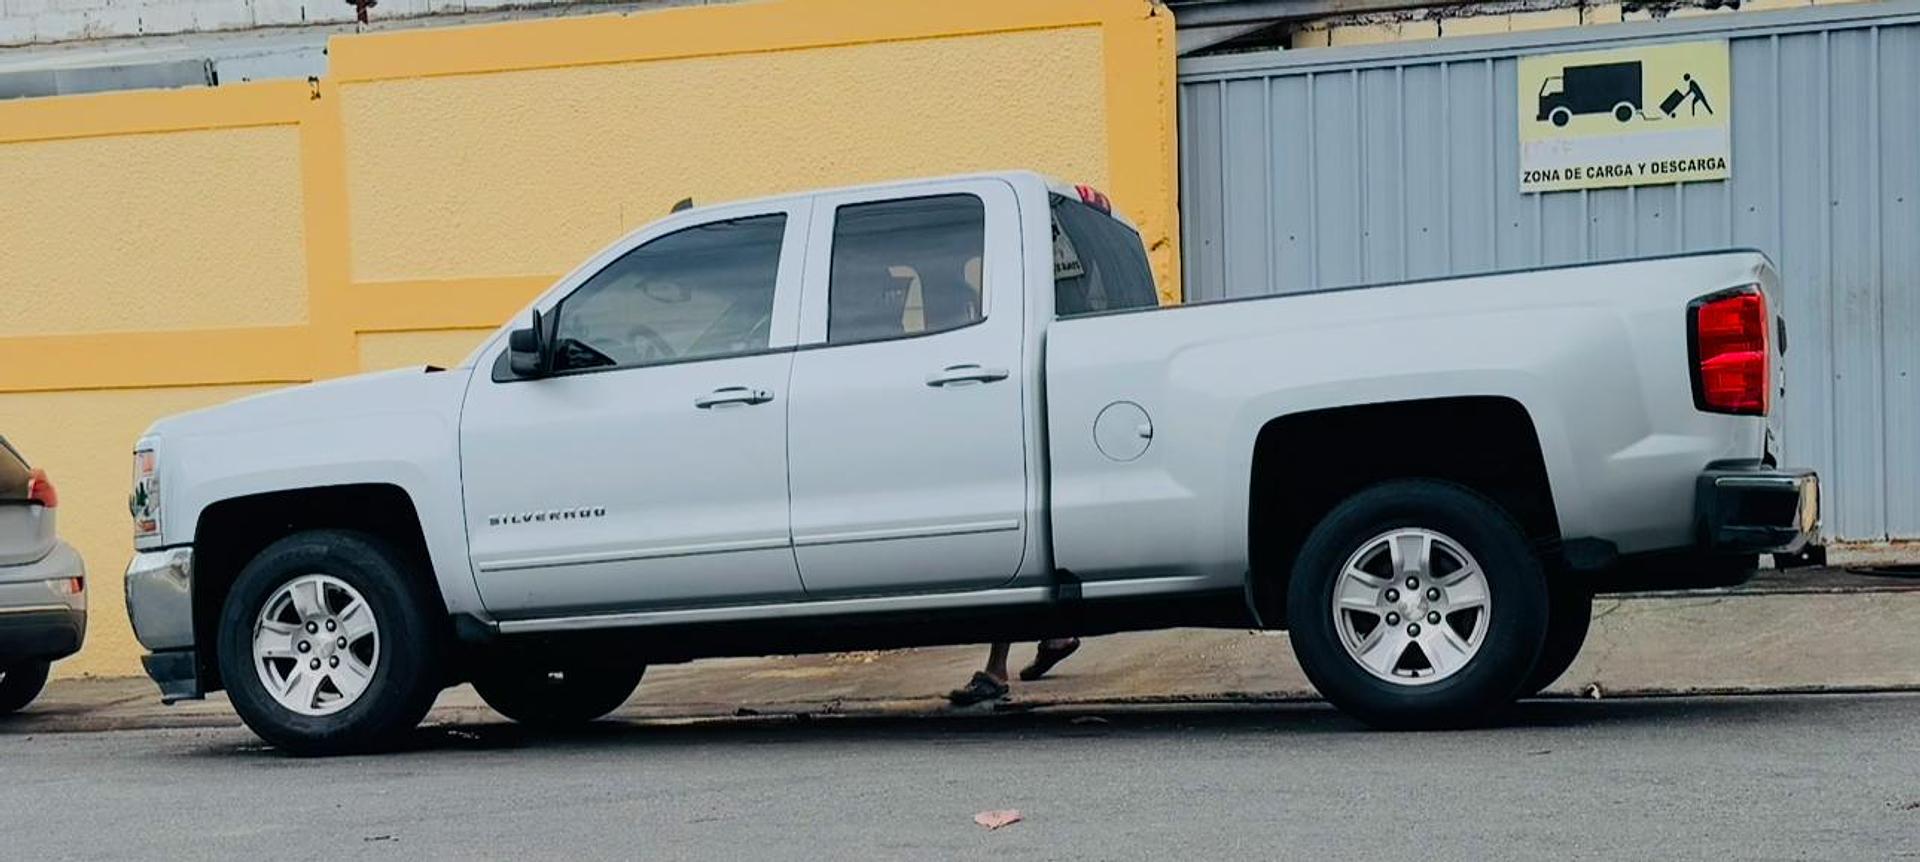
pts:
[1755, 509]
[42, 616]
[160, 606]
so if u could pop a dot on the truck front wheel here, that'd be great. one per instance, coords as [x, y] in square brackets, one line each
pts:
[559, 698]
[328, 645]
[1418, 604]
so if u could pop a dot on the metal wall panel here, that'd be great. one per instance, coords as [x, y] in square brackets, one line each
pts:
[1323, 168]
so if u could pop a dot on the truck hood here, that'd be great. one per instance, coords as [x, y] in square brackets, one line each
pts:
[364, 396]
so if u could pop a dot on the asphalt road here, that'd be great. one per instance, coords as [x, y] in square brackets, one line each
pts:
[1834, 777]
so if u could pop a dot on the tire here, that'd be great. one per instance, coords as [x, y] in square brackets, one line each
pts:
[1569, 615]
[1623, 112]
[1458, 532]
[1560, 116]
[557, 699]
[20, 684]
[383, 683]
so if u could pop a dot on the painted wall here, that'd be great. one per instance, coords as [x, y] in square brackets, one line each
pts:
[170, 250]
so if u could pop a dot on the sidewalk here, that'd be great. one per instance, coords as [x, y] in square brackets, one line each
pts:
[1808, 630]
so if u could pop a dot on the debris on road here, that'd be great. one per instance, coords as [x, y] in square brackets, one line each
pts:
[1592, 692]
[997, 819]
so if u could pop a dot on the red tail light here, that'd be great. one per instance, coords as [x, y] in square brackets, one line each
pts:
[1732, 368]
[1094, 198]
[40, 489]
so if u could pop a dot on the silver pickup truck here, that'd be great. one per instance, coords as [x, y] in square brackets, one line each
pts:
[952, 411]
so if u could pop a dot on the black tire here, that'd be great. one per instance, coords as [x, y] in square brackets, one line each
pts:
[1560, 116]
[1569, 615]
[406, 672]
[1482, 688]
[557, 699]
[20, 684]
[1623, 112]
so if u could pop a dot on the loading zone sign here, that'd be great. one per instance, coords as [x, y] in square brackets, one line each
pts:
[1629, 117]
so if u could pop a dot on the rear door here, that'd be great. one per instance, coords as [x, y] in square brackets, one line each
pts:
[907, 453]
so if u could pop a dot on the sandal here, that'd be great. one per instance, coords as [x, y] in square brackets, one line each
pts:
[980, 689]
[1045, 657]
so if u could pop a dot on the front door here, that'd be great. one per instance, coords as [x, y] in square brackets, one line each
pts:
[909, 465]
[650, 470]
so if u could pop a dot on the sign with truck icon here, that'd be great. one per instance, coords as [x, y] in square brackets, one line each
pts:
[1645, 115]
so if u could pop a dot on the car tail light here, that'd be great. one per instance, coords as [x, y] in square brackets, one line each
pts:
[1727, 343]
[40, 490]
[1094, 198]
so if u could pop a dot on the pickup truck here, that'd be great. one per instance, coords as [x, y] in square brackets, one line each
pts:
[953, 411]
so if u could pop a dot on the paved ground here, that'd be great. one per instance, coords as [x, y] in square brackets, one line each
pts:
[1830, 777]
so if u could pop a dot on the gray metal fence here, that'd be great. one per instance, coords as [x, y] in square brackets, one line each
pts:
[1329, 167]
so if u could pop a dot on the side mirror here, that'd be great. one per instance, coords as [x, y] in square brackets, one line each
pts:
[528, 354]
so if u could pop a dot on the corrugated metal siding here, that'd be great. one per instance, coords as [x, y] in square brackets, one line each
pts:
[1316, 169]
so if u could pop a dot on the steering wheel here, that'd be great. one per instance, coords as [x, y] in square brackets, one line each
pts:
[647, 343]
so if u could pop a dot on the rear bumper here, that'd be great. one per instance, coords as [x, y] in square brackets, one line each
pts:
[1754, 509]
[41, 617]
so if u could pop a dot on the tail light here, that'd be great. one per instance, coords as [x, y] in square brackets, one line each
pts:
[1727, 344]
[1094, 198]
[40, 489]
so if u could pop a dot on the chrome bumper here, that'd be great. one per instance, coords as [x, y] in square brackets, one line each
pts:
[1753, 509]
[160, 606]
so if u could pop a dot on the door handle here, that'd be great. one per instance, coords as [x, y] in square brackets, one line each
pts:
[732, 395]
[968, 372]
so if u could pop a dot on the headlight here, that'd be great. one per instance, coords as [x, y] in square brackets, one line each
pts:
[144, 502]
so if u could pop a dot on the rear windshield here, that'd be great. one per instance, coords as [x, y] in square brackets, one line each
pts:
[1098, 264]
[14, 475]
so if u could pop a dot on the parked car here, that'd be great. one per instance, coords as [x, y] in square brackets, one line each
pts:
[43, 584]
[952, 411]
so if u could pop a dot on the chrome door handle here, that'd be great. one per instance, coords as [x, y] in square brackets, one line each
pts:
[965, 373]
[732, 395]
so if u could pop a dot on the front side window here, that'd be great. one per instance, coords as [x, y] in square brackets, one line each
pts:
[905, 267]
[700, 293]
[1098, 262]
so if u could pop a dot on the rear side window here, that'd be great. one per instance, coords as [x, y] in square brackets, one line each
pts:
[1098, 263]
[16, 480]
[905, 267]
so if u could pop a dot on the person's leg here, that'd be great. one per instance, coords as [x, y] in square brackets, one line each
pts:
[997, 660]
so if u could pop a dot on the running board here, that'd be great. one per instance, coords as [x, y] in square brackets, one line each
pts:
[1130, 588]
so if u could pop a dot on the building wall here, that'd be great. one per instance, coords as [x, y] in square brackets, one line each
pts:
[172, 250]
[1340, 166]
[40, 22]
[1514, 16]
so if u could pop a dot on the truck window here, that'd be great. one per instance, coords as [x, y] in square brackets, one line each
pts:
[1098, 262]
[699, 293]
[905, 267]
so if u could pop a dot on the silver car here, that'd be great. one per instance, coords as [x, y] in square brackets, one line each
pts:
[43, 585]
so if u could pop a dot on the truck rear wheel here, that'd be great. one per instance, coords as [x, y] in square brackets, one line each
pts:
[1569, 615]
[1417, 604]
[559, 698]
[328, 645]
[20, 684]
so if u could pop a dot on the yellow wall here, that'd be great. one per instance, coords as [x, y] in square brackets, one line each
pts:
[161, 251]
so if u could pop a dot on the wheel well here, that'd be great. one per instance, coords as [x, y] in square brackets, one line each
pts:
[1306, 463]
[230, 533]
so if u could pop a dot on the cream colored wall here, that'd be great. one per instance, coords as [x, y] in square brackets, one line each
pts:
[585, 154]
[162, 251]
[124, 249]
